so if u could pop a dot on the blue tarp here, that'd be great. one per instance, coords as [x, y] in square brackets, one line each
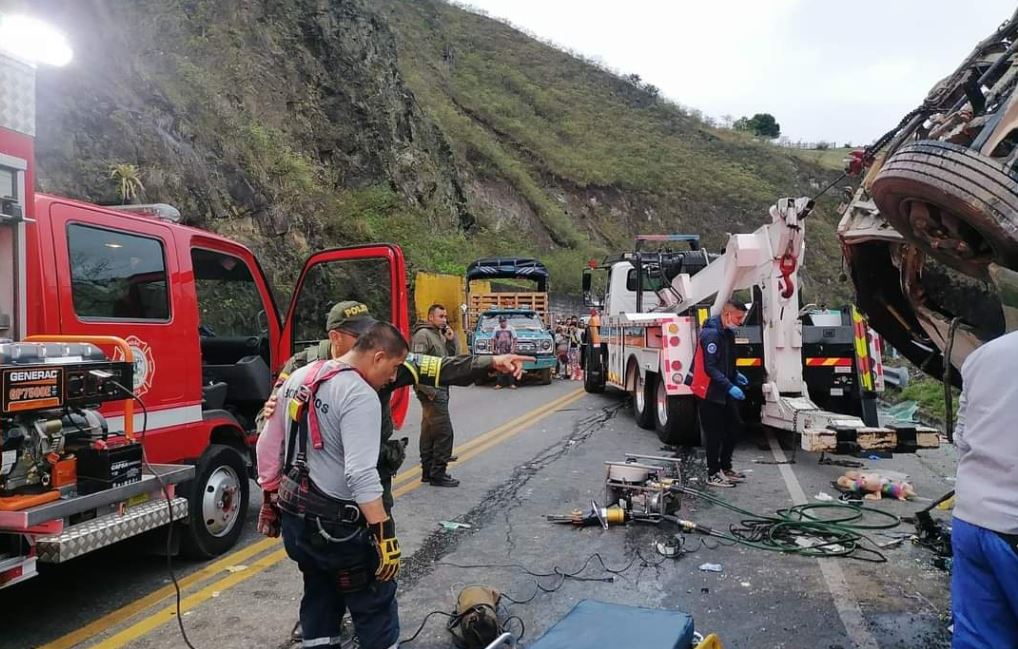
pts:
[598, 625]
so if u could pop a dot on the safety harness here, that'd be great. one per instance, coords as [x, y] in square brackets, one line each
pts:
[298, 495]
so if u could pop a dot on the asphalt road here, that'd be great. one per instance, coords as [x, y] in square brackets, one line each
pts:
[523, 454]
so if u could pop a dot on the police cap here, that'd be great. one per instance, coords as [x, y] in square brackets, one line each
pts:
[349, 316]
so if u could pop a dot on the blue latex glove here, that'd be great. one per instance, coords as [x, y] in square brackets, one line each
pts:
[741, 379]
[736, 393]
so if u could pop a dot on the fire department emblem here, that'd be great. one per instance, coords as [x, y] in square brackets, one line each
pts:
[144, 363]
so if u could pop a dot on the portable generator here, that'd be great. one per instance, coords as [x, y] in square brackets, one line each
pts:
[52, 434]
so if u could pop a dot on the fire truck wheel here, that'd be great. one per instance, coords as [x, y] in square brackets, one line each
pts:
[217, 503]
[675, 418]
[955, 204]
[643, 397]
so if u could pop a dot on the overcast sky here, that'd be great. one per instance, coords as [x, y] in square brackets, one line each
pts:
[837, 71]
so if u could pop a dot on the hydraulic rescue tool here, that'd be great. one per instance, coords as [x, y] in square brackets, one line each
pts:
[596, 515]
[642, 486]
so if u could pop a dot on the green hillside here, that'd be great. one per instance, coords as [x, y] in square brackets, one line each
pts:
[562, 131]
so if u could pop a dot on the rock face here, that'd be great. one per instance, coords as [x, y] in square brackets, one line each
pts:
[308, 123]
[250, 116]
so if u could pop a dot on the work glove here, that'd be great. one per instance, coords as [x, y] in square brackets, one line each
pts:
[736, 393]
[387, 546]
[268, 515]
[741, 379]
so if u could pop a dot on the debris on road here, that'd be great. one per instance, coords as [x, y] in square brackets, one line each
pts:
[711, 567]
[452, 526]
[873, 486]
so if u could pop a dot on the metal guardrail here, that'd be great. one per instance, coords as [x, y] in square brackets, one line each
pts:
[896, 376]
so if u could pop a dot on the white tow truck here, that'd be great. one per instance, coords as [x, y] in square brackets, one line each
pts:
[652, 309]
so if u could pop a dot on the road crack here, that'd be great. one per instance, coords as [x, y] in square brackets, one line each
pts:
[502, 499]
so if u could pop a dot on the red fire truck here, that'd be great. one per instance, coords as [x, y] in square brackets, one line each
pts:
[200, 340]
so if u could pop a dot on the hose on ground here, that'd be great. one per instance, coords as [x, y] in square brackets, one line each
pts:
[811, 529]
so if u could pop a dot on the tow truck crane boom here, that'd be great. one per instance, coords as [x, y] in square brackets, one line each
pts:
[770, 258]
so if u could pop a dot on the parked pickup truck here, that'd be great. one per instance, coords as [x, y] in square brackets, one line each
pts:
[532, 338]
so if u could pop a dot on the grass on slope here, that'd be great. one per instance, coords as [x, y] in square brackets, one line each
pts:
[516, 109]
[833, 159]
[569, 118]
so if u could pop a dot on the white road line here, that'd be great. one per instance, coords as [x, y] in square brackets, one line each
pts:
[847, 606]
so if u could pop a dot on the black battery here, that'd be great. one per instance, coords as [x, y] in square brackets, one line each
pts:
[106, 468]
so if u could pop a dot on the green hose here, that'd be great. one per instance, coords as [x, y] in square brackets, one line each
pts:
[839, 536]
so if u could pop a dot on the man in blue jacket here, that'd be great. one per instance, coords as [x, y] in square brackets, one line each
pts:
[718, 386]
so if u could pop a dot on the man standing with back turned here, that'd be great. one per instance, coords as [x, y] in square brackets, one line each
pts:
[435, 338]
[984, 536]
[334, 524]
[716, 385]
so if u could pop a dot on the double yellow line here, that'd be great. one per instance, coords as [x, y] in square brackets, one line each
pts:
[403, 484]
[409, 480]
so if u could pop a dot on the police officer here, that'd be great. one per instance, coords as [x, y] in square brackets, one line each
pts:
[347, 320]
[718, 387]
[334, 524]
[435, 337]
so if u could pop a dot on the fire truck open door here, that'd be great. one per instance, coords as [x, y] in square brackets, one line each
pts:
[374, 274]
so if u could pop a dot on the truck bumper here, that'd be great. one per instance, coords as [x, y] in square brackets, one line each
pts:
[542, 363]
[123, 512]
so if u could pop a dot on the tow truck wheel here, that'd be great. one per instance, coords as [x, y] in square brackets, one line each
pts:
[675, 418]
[593, 370]
[643, 398]
[217, 503]
[957, 205]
